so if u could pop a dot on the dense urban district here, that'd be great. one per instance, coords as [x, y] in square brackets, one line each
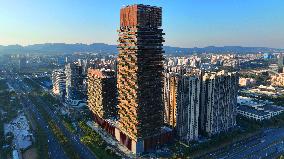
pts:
[142, 102]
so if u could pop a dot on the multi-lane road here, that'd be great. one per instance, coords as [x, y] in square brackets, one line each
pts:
[83, 151]
[55, 150]
[268, 144]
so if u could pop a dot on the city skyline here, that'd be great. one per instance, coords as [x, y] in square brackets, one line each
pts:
[206, 23]
[138, 98]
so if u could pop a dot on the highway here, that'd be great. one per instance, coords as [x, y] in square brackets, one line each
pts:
[83, 151]
[269, 144]
[55, 151]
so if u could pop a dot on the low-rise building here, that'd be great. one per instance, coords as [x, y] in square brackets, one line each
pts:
[21, 131]
[263, 90]
[259, 113]
[257, 110]
[246, 81]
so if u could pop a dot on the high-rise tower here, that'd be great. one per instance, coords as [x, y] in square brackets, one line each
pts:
[218, 102]
[59, 83]
[188, 107]
[140, 76]
[280, 63]
[171, 82]
[75, 90]
[102, 93]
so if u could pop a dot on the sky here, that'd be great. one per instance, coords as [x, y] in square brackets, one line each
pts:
[186, 23]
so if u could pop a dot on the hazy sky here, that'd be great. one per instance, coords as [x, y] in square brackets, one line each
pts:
[187, 23]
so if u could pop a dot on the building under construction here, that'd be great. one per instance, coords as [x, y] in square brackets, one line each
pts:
[140, 78]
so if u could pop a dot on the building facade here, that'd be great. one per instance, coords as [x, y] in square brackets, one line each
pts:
[75, 84]
[188, 107]
[170, 98]
[59, 83]
[102, 93]
[140, 78]
[218, 102]
[259, 112]
[246, 81]
[280, 63]
[277, 80]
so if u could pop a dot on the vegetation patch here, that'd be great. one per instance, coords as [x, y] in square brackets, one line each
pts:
[95, 142]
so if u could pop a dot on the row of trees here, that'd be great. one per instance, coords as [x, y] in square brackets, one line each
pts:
[35, 87]
[68, 148]
[261, 79]
[41, 143]
[94, 141]
[50, 101]
[64, 142]
[91, 139]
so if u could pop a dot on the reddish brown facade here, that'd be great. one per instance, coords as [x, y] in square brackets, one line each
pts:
[140, 67]
[139, 83]
[107, 126]
[141, 15]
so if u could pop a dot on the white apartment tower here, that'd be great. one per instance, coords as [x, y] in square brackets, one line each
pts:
[218, 102]
[188, 107]
[59, 82]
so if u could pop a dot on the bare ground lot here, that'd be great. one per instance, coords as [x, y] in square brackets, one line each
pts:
[30, 154]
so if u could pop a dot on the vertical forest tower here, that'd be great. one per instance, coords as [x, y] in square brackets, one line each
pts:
[140, 72]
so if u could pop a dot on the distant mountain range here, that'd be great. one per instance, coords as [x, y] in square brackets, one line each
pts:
[54, 48]
[59, 48]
